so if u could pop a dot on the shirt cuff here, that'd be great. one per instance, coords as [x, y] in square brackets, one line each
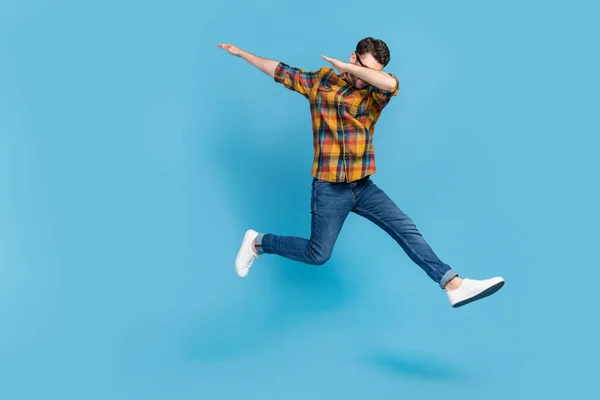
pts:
[279, 75]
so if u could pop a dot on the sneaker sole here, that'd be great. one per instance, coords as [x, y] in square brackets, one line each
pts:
[487, 292]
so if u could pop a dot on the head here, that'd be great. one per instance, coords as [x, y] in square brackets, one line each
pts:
[369, 53]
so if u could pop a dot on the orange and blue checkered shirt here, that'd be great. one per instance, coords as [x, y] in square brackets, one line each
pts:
[343, 120]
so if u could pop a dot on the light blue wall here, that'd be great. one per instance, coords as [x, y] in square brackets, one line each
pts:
[134, 154]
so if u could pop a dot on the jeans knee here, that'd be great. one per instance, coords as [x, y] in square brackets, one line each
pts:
[319, 257]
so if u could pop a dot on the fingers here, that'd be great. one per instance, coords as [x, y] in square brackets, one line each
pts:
[230, 48]
[332, 61]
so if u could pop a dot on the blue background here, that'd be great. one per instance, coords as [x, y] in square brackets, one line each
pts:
[134, 154]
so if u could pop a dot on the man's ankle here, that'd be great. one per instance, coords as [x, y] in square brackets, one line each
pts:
[453, 284]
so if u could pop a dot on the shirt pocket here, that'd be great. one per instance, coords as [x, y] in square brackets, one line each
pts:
[356, 105]
[325, 97]
[325, 92]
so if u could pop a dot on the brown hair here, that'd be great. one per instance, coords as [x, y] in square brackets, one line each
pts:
[376, 47]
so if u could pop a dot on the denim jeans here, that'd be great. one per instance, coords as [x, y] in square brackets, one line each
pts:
[331, 203]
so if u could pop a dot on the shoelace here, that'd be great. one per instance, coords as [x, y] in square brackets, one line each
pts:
[253, 258]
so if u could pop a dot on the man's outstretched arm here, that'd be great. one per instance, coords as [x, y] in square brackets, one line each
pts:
[265, 65]
[295, 79]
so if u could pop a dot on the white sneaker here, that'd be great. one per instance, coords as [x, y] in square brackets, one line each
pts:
[246, 255]
[471, 290]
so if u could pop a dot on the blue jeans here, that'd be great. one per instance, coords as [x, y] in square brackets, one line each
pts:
[330, 205]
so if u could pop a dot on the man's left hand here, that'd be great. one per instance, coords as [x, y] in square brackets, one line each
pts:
[337, 64]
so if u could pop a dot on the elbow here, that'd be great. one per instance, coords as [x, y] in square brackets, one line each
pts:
[393, 85]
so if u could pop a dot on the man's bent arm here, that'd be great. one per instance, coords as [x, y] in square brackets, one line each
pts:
[381, 80]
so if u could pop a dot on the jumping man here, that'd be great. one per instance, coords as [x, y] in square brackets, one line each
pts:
[345, 108]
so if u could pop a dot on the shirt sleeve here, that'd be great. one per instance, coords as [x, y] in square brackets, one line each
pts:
[382, 97]
[296, 79]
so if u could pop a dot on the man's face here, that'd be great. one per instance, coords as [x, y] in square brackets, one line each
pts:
[364, 60]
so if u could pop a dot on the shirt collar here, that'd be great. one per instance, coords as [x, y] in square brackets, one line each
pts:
[346, 79]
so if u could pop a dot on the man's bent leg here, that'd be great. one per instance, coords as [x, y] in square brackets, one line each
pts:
[373, 204]
[330, 205]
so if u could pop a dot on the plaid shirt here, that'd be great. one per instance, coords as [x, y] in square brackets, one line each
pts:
[343, 121]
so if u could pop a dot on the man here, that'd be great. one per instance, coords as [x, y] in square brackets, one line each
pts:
[345, 108]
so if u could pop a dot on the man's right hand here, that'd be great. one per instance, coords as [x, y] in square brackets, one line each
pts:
[231, 49]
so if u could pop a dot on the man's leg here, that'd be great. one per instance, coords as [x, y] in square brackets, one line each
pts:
[330, 205]
[373, 204]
